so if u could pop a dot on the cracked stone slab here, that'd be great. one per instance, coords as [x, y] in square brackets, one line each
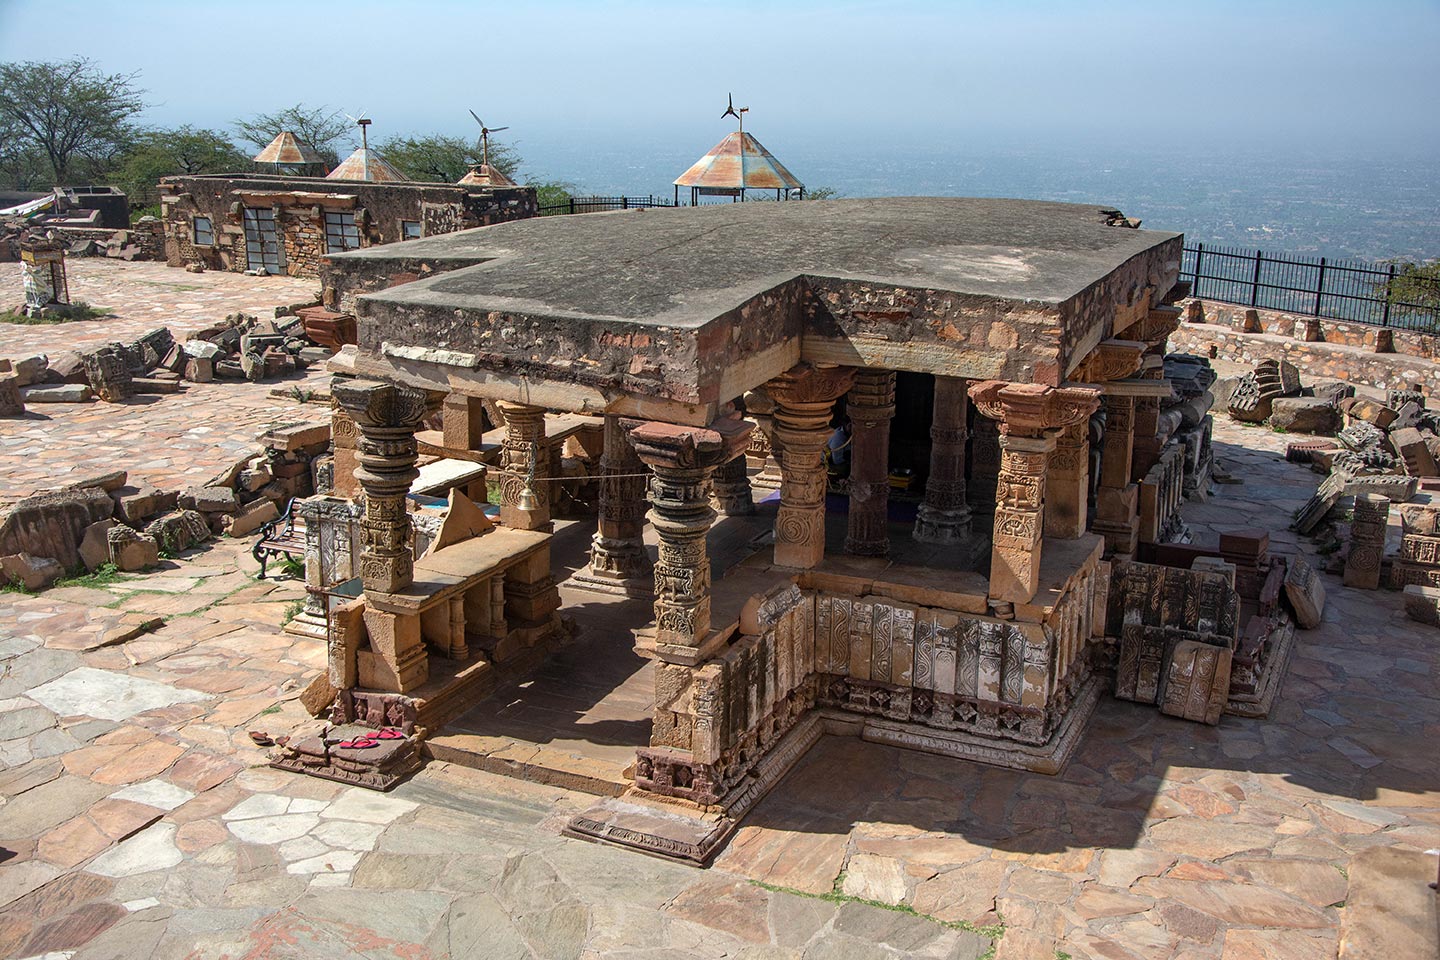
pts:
[104, 695]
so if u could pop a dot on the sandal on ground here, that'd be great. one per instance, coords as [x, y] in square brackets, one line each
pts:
[386, 733]
[359, 743]
[262, 739]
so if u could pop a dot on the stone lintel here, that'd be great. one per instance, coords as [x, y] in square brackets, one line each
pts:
[1159, 389]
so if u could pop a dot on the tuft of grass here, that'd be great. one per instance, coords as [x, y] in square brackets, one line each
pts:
[79, 310]
[292, 566]
[993, 930]
[273, 708]
[15, 586]
[292, 611]
[105, 575]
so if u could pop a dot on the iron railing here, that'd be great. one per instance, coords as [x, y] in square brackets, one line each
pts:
[597, 204]
[1380, 294]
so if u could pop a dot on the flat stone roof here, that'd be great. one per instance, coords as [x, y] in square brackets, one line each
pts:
[671, 313]
[683, 266]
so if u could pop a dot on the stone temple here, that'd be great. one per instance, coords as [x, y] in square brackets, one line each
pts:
[1010, 353]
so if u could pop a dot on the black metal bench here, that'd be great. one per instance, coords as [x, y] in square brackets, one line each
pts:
[279, 538]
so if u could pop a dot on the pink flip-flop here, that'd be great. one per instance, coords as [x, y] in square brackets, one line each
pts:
[359, 743]
[386, 733]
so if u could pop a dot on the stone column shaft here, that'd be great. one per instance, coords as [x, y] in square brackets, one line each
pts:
[1030, 417]
[1117, 498]
[681, 460]
[1067, 483]
[618, 561]
[804, 397]
[870, 404]
[944, 517]
[732, 488]
[524, 462]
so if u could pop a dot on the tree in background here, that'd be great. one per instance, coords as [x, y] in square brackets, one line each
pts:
[318, 127]
[68, 115]
[1413, 291]
[166, 153]
[441, 159]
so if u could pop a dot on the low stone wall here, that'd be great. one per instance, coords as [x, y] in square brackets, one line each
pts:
[1347, 351]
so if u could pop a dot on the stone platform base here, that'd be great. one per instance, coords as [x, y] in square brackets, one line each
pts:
[379, 767]
[527, 761]
[305, 624]
[643, 822]
[639, 587]
[1258, 704]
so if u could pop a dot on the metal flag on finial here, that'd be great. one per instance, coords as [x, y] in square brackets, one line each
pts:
[730, 112]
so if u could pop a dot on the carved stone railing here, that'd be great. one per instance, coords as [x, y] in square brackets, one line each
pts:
[930, 669]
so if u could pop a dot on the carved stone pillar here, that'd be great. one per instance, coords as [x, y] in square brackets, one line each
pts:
[944, 517]
[1067, 483]
[344, 437]
[386, 415]
[762, 453]
[804, 397]
[524, 463]
[1028, 414]
[1116, 501]
[618, 562]
[984, 464]
[870, 404]
[732, 488]
[1153, 331]
[681, 459]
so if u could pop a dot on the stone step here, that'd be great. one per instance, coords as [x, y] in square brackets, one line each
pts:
[1390, 906]
[529, 761]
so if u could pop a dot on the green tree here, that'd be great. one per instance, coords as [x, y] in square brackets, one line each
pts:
[441, 159]
[164, 153]
[63, 112]
[318, 127]
[1414, 291]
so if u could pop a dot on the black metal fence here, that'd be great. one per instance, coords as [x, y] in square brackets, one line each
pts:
[597, 204]
[1381, 294]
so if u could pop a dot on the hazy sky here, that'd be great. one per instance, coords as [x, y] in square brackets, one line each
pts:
[1309, 76]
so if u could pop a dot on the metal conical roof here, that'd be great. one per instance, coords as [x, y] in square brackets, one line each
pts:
[739, 162]
[484, 175]
[290, 149]
[364, 164]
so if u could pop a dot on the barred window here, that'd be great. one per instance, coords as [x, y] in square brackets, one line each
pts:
[204, 232]
[341, 233]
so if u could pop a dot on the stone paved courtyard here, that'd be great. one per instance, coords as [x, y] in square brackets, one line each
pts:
[139, 819]
[170, 440]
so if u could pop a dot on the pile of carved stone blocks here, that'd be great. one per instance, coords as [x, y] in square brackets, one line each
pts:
[107, 520]
[239, 348]
[1272, 393]
[1211, 636]
[1385, 449]
[1191, 377]
[1417, 569]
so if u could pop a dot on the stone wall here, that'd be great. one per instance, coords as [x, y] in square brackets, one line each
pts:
[1347, 351]
[300, 204]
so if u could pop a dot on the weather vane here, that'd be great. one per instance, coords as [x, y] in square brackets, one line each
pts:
[485, 138]
[730, 112]
[364, 122]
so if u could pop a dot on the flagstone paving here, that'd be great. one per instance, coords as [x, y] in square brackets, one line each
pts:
[169, 440]
[142, 824]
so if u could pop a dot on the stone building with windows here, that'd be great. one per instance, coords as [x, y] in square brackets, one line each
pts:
[1010, 354]
[286, 225]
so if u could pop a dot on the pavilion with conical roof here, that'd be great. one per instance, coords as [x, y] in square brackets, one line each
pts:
[365, 164]
[734, 165]
[485, 175]
[291, 155]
